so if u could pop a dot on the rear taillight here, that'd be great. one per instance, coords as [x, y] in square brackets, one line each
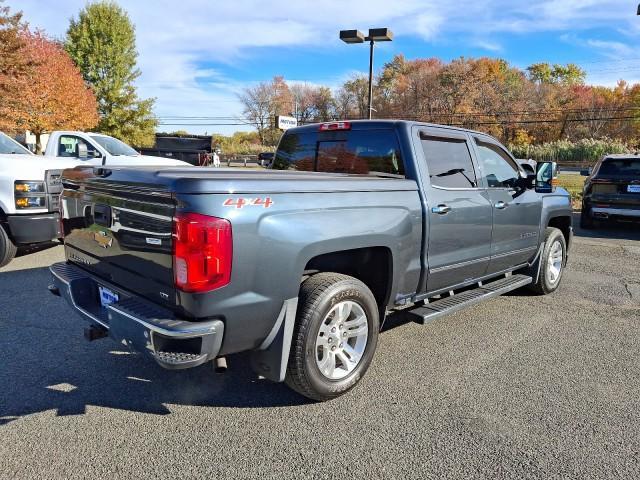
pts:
[202, 252]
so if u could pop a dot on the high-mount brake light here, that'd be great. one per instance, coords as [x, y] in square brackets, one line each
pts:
[202, 252]
[326, 127]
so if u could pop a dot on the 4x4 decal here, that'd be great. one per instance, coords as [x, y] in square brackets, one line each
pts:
[248, 202]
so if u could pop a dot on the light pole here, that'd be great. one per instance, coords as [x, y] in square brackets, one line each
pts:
[375, 35]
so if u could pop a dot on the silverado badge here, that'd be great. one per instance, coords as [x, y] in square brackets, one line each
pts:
[103, 239]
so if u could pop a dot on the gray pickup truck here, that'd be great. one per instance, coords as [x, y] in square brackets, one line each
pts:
[301, 264]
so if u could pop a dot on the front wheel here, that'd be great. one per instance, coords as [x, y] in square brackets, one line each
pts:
[8, 249]
[553, 261]
[335, 336]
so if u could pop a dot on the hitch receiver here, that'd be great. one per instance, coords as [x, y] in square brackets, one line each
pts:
[95, 332]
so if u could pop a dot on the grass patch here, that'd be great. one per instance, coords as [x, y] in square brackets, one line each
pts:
[573, 184]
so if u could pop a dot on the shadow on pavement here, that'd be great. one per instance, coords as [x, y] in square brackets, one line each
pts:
[45, 364]
[38, 247]
[608, 230]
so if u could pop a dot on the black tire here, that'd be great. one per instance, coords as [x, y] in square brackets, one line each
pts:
[8, 249]
[545, 284]
[318, 295]
[586, 222]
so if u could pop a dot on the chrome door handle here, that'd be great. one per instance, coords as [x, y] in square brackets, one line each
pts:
[500, 205]
[441, 209]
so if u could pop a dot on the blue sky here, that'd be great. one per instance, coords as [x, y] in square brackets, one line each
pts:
[196, 55]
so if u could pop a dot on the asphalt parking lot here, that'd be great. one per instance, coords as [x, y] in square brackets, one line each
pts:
[519, 387]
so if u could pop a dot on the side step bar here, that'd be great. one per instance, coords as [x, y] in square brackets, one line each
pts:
[465, 299]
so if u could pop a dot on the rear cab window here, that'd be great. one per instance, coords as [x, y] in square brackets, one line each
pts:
[360, 152]
[620, 167]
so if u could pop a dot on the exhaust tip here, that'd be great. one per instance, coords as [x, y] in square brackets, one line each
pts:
[220, 365]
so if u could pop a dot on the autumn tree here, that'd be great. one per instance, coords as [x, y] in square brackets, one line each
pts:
[101, 41]
[262, 103]
[304, 102]
[353, 100]
[53, 95]
[14, 63]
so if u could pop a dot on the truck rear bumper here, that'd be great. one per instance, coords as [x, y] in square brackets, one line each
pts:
[38, 228]
[602, 212]
[137, 323]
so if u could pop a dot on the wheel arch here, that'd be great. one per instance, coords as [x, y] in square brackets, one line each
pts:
[562, 223]
[373, 266]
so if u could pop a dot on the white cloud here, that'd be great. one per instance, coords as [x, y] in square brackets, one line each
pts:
[178, 40]
[488, 45]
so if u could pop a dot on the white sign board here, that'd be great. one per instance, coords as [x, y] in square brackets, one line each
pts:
[284, 123]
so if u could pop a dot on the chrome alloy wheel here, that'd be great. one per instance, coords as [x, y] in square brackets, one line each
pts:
[341, 340]
[554, 262]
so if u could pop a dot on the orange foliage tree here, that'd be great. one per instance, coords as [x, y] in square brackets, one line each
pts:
[53, 95]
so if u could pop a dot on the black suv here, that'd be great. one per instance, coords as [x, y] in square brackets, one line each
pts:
[612, 190]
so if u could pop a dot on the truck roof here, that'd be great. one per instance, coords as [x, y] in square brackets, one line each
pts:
[622, 156]
[384, 123]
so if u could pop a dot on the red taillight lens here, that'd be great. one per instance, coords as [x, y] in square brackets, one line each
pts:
[202, 252]
[326, 127]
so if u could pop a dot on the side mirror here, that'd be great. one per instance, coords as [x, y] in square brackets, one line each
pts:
[546, 174]
[585, 172]
[82, 150]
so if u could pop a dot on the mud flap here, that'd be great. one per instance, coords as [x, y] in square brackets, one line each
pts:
[271, 358]
[533, 270]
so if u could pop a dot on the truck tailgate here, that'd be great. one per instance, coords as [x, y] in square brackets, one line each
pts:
[122, 233]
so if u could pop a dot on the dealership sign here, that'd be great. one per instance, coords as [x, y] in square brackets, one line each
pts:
[284, 123]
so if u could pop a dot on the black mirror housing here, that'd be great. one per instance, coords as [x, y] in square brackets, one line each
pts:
[585, 172]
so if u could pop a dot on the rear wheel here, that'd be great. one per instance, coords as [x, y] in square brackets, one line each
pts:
[8, 249]
[586, 222]
[335, 336]
[553, 261]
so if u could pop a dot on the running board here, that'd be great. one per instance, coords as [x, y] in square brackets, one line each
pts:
[458, 301]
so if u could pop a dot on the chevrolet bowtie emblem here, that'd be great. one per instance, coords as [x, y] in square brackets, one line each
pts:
[103, 239]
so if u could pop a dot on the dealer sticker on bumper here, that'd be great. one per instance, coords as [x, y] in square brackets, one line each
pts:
[107, 297]
[633, 188]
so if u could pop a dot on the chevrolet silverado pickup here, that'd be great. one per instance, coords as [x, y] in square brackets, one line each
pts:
[301, 264]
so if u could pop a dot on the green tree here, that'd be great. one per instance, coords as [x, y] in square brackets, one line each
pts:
[101, 41]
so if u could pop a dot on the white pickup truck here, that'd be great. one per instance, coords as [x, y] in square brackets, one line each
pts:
[30, 184]
[29, 191]
[97, 149]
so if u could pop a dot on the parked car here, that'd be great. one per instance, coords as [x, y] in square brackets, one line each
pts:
[611, 190]
[364, 218]
[29, 189]
[98, 149]
[265, 159]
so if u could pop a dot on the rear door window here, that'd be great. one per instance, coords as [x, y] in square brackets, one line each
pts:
[449, 162]
[364, 152]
